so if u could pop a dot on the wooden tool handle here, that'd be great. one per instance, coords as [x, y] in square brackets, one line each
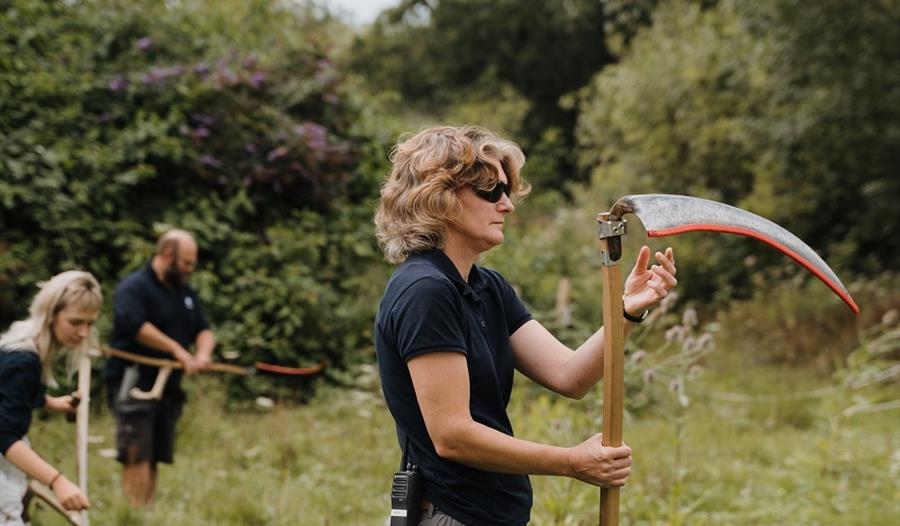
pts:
[81, 426]
[46, 494]
[613, 378]
[174, 364]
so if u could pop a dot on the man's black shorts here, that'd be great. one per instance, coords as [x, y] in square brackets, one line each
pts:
[145, 430]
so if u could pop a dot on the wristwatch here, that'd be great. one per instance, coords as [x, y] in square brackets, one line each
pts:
[635, 319]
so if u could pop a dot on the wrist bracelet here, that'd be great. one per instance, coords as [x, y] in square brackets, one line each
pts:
[54, 479]
[635, 319]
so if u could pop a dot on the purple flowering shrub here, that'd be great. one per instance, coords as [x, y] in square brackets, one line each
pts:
[241, 122]
[225, 118]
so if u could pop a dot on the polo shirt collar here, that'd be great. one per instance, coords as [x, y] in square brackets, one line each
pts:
[148, 269]
[439, 259]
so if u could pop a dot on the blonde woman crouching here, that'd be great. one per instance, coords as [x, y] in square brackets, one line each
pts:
[61, 316]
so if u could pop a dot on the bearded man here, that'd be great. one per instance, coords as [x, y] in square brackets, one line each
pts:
[156, 314]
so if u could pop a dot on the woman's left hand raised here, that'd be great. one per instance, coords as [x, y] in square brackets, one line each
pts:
[645, 287]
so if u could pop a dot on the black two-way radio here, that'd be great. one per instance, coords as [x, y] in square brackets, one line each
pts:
[406, 491]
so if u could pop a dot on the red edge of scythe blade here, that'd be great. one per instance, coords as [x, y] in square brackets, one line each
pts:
[845, 296]
[291, 371]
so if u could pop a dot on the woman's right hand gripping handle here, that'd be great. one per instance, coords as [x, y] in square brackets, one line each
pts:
[69, 495]
[600, 465]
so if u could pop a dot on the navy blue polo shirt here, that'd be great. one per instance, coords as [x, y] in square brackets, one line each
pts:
[428, 307]
[21, 391]
[141, 298]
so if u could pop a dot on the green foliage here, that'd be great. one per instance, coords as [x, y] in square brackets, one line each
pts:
[797, 321]
[308, 292]
[295, 464]
[624, 18]
[470, 60]
[874, 363]
[426, 49]
[228, 119]
[784, 108]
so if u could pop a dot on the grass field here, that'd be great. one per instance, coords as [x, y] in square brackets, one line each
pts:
[751, 461]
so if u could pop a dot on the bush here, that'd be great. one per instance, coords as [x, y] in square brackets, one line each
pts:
[795, 320]
[224, 118]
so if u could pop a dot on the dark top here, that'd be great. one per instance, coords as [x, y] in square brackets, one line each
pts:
[21, 391]
[140, 298]
[428, 307]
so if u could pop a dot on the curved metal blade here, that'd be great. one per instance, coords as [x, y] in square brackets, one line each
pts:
[666, 215]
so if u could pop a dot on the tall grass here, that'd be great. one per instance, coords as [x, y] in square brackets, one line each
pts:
[763, 444]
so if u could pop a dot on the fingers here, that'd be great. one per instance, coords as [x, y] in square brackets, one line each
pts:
[618, 478]
[667, 260]
[665, 270]
[606, 466]
[618, 452]
[612, 451]
[73, 503]
[203, 363]
[615, 469]
[640, 264]
[74, 400]
[188, 362]
[657, 285]
[70, 496]
[666, 278]
[76, 504]
[191, 367]
[646, 287]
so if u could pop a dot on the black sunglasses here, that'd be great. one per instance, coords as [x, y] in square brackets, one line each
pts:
[494, 194]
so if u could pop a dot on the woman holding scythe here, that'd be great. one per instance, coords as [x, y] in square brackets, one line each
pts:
[449, 334]
[61, 316]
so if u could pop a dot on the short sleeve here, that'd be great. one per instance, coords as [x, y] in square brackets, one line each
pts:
[200, 322]
[20, 384]
[517, 313]
[427, 316]
[129, 309]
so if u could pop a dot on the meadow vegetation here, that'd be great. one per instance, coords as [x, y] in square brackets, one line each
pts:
[720, 437]
[264, 127]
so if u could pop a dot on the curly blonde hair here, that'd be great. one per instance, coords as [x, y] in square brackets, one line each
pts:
[420, 199]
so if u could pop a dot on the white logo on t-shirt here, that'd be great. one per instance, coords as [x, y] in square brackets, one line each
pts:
[188, 302]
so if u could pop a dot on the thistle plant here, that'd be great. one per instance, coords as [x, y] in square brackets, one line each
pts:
[656, 378]
[874, 362]
[654, 375]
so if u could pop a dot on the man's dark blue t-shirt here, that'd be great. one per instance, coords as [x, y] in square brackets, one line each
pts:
[141, 298]
[428, 307]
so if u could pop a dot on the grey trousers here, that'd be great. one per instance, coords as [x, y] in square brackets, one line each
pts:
[433, 517]
[13, 484]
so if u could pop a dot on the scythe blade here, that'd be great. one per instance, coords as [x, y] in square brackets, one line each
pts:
[666, 215]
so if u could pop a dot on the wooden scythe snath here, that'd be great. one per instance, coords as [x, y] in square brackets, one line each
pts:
[613, 353]
[36, 489]
[81, 425]
[167, 366]
[665, 215]
[82, 414]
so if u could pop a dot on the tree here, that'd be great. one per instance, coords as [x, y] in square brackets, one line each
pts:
[433, 52]
[789, 109]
